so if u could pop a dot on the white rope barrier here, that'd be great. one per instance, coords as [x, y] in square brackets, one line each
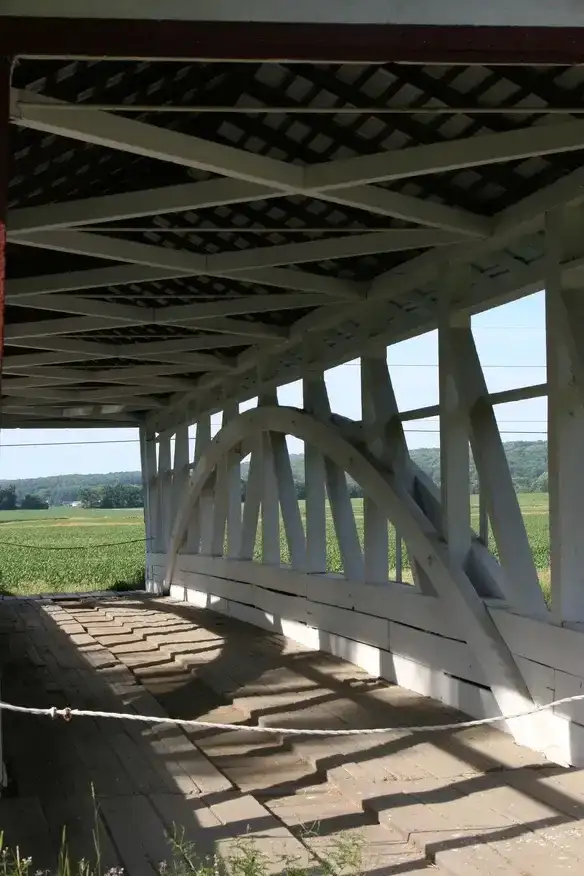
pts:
[68, 714]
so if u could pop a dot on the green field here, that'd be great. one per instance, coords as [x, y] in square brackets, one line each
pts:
[69, 549]
[61, 550]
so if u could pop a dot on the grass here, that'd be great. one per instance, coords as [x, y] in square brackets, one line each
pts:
[61, 550]
[80, 562]
[343, 856]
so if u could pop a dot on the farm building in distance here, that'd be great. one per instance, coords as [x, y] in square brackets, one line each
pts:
[200, 204]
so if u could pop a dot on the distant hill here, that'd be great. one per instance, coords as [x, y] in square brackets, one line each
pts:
[64, 489]
[527, 461]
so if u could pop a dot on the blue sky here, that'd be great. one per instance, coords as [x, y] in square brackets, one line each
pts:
[510, 341]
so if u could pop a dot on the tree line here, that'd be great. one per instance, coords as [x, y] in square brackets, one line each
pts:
[527, 463]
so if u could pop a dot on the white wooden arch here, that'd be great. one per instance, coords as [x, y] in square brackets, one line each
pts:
[429, 550]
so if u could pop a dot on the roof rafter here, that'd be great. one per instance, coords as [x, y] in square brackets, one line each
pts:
[446, 156]
[139, 138]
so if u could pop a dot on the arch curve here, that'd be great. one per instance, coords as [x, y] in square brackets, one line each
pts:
[451, 582]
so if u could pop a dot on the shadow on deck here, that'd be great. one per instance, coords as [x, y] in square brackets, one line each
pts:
[465, 802]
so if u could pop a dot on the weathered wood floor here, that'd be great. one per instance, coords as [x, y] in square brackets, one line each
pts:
[464, 803]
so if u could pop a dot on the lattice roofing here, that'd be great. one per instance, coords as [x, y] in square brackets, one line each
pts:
[51, 165]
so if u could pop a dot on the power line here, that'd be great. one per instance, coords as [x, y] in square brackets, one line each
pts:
[136, 440]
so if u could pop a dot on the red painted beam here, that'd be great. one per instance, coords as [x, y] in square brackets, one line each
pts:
[293, 42]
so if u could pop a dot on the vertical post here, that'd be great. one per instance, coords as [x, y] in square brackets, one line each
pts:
[164, 492]
[234, 491]
[454, 438]
[289, 502]
[336, 484]
[315, 502]
[205, 517]
[270, 503]
[148, 460]
[483, 517]
[180, 468]
[565, 377]
[375, 531]
[521, 583]
[251, 507]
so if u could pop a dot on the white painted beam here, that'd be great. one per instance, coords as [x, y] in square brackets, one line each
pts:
[148, 141]
[139, 138]
[447, 156]
[383, 202]
[315, 504]
[238, 306]
[251, 505]
[125, 313]
[316, 397]
[52, 327]
[194, 196]
[105, 247]
[255, 329]
[120, 275]
[289, 507]
[133, 205]
[375, 522]
[521, 581]
[179, 260]
[68, 325]
[565, 378]
[338, 247]
[454, 433]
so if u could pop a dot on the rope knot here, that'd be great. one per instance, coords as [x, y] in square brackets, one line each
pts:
[66, 714]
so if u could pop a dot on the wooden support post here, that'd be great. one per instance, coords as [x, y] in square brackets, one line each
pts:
[336, 481]
[270, 498]
[315, 502]
[234, 491]
[520, 580]
[565, 379]
[150, 493]
[251, 507]
[204, 520]
[289, 502]
[454, 439]
[180, 472]
[164, 492]
[375, 522]
[391, 446]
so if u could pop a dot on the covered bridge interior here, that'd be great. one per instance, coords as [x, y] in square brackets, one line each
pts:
[187, 230]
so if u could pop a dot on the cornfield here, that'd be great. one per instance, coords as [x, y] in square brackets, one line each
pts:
[66, 550]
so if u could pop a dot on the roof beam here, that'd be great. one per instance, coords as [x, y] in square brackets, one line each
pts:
[187, 359]
[183, 261]
[85, 307]
[244, 305]
[353, 245]
[212, 193]
[283, 178]
[253, 329]
[133, 205]
[140, 315]
[103, 247]
[446, 156]
[116, 132]
[157, 381]
[68, 325]
[72, 281]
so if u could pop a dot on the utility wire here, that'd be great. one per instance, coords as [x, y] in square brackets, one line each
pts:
[136, 440]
